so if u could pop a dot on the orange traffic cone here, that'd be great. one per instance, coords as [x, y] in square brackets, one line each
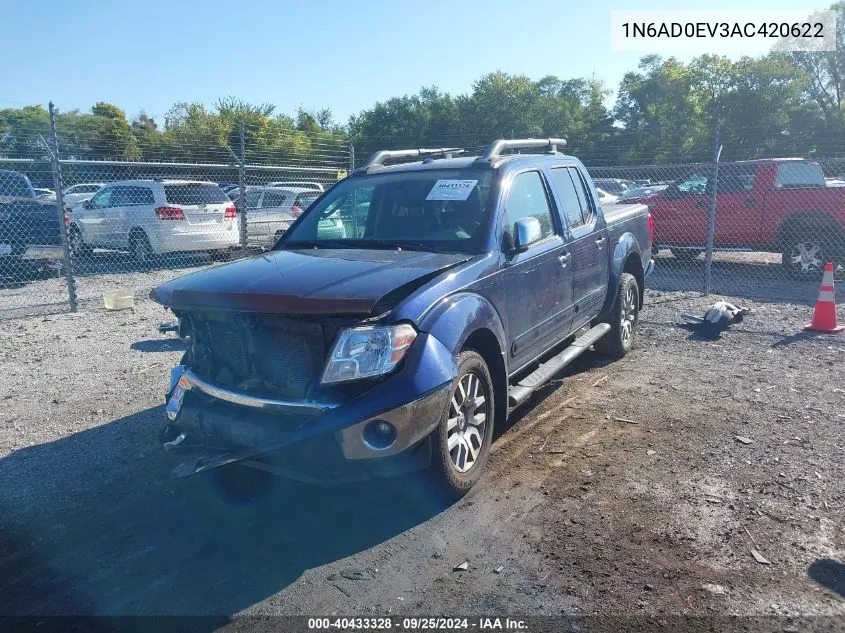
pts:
[824, 315]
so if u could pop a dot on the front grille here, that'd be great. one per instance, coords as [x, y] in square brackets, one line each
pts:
[260, 355]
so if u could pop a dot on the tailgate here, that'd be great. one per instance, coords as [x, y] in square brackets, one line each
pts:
[203, 204]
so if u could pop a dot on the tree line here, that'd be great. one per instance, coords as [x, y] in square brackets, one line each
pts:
[665, 111]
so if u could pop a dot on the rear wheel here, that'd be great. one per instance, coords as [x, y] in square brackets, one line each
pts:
[462, 439]
[804, 256]
[142, 252]
[623, 319]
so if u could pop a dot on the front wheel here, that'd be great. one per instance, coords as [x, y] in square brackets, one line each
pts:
[78, 247]
[142, 252]
[623, 319]
[462, 439]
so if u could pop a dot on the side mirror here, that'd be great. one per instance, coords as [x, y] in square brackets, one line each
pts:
[527, 232]
[88, 204]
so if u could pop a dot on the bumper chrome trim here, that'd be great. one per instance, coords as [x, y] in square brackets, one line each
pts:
[189, 380]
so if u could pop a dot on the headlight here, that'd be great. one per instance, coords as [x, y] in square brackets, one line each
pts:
[363, 352]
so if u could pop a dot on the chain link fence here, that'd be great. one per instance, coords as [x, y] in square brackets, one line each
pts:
[73, 231]
[78, 233]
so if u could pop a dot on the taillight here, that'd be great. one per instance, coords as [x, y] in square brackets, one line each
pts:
[231, 213]
[650, 228]
[67, 219]
[295, 211]
[170, 213]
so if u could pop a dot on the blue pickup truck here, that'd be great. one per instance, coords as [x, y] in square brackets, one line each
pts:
[457, 287]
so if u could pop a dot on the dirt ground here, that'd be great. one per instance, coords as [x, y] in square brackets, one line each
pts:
[623, 488]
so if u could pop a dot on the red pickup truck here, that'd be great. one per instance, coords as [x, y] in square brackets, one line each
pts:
[776, 205]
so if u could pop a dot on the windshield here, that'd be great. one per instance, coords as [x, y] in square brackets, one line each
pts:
[432, 209]
[14, 185]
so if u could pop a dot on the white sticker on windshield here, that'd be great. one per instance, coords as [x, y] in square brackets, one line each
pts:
[451, 190]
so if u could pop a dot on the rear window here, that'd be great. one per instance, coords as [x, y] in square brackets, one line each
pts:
[194, 193]
[798, 175]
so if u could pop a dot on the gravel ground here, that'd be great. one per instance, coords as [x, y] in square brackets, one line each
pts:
[620, 489]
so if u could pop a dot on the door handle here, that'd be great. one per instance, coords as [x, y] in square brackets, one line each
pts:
[749, 202]
[600, 242]
[564, 259]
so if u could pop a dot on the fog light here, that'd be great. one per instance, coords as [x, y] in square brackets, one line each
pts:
[379, 434]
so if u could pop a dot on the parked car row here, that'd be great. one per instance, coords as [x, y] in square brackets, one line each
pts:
[151, 217]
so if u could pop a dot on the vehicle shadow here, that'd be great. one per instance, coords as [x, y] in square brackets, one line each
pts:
[830, 574]
[92, 524]
[160, 345]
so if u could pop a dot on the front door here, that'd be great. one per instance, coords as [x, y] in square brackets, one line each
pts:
[538, 281]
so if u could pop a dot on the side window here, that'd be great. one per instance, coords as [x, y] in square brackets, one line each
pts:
[694, 184]
[527, 199]
[119, 197]
[136, 196]
[274, 199]
[736, 179]
[252, 198]
[102, 199]
[569, 197]
[581, 192]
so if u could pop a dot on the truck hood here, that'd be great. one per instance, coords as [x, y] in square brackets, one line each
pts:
[312, 281]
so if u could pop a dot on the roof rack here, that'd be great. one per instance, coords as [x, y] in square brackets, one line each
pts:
[379, 158]
[495, 149]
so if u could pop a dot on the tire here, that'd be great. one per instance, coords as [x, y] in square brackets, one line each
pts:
[804, 256]
[142, 252]
[78, 247]
[685, 255]
[457, 470]
[623, 319]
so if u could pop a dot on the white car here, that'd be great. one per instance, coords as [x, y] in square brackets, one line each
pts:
[606, 198]
[271, 210]
[150, 217]
[75, 194]
[314, 186]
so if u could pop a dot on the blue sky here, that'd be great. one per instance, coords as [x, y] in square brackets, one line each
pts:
[343, 55]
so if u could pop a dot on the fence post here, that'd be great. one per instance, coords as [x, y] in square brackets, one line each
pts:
[60, 212]
[242, 188]
[711, 216]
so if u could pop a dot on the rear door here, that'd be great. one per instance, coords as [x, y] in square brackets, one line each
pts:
[137, 209]
[738, 211]
[538, 281]
[275, 216]
[203, 205]
[588, 244]
[255, 225]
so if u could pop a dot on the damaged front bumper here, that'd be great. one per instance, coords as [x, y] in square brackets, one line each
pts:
[316, 441]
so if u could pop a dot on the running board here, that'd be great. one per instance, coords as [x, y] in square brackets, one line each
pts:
[518, 393]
